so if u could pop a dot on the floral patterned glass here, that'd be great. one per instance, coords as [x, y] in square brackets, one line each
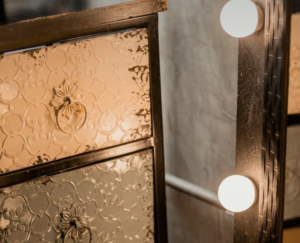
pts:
[71, 98]
[107, 202]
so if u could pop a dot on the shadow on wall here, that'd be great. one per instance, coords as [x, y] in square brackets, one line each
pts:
[199, 92]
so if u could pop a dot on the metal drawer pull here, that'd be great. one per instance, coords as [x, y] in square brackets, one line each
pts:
[71, 115]
[74, 224]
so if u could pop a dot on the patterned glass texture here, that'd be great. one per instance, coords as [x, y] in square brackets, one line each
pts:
[292, 174]
[72, 98]
[294, 79]
[110, 202]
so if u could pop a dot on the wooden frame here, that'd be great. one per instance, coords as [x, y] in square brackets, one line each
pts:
[34, 9]
[87, 23]
[261, 133]
[293, 119]
[295, 6]
[291, 223]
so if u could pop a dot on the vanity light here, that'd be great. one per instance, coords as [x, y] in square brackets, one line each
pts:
[237, 193]
[241, 18]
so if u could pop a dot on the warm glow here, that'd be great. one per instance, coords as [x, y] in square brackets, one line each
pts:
[237, 193]
[240, 18]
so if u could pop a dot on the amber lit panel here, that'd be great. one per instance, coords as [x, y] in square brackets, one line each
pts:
[292, 177]
[72, 98]
[107, 202]
[291, 235]
[294, 80]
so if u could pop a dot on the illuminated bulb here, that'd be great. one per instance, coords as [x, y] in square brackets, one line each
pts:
[240, 18]
[237, 193]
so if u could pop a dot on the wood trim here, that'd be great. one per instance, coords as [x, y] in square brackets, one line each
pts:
[16, 11]
[52, 28]
[156, 110]
[291, 223]
[271, 203]
[249, 127]
[38, 35]
[2, 12]
[71, 163]
[261, 133]
[293, 119]
[295, 6]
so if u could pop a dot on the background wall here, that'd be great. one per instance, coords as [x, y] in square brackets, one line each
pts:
[199, 91]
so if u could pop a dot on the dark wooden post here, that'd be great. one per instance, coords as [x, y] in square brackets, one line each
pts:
[261, 123]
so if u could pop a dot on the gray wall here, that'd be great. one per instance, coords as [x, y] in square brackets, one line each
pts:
[199, 91]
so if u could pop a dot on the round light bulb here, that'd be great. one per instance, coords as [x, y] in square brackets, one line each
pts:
[241, 18]
[237, 193]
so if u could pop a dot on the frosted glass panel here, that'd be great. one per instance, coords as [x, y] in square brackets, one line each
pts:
[292, 180]
[73, 98]
[107, 202]
[292, 173]
[294, 79]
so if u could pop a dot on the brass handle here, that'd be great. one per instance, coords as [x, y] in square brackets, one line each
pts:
[79, 111]
[78, 238]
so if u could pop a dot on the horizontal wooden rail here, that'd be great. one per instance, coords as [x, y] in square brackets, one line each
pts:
[193, 190]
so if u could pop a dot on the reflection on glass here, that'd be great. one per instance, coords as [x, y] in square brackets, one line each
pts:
[291, 233]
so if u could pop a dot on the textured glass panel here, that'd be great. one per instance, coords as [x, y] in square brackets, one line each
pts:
[72, 98]
[294, 82]
[292, 176]
[107, 202]
[292, 180]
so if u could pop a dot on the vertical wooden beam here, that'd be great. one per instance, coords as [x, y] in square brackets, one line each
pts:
[261, 123]
[2, 12]
[271, 202]
[249, 127]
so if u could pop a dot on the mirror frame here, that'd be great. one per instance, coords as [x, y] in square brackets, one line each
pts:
[261, 122]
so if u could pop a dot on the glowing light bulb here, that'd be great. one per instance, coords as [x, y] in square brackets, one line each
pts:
[241, 18]
[237, 193]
